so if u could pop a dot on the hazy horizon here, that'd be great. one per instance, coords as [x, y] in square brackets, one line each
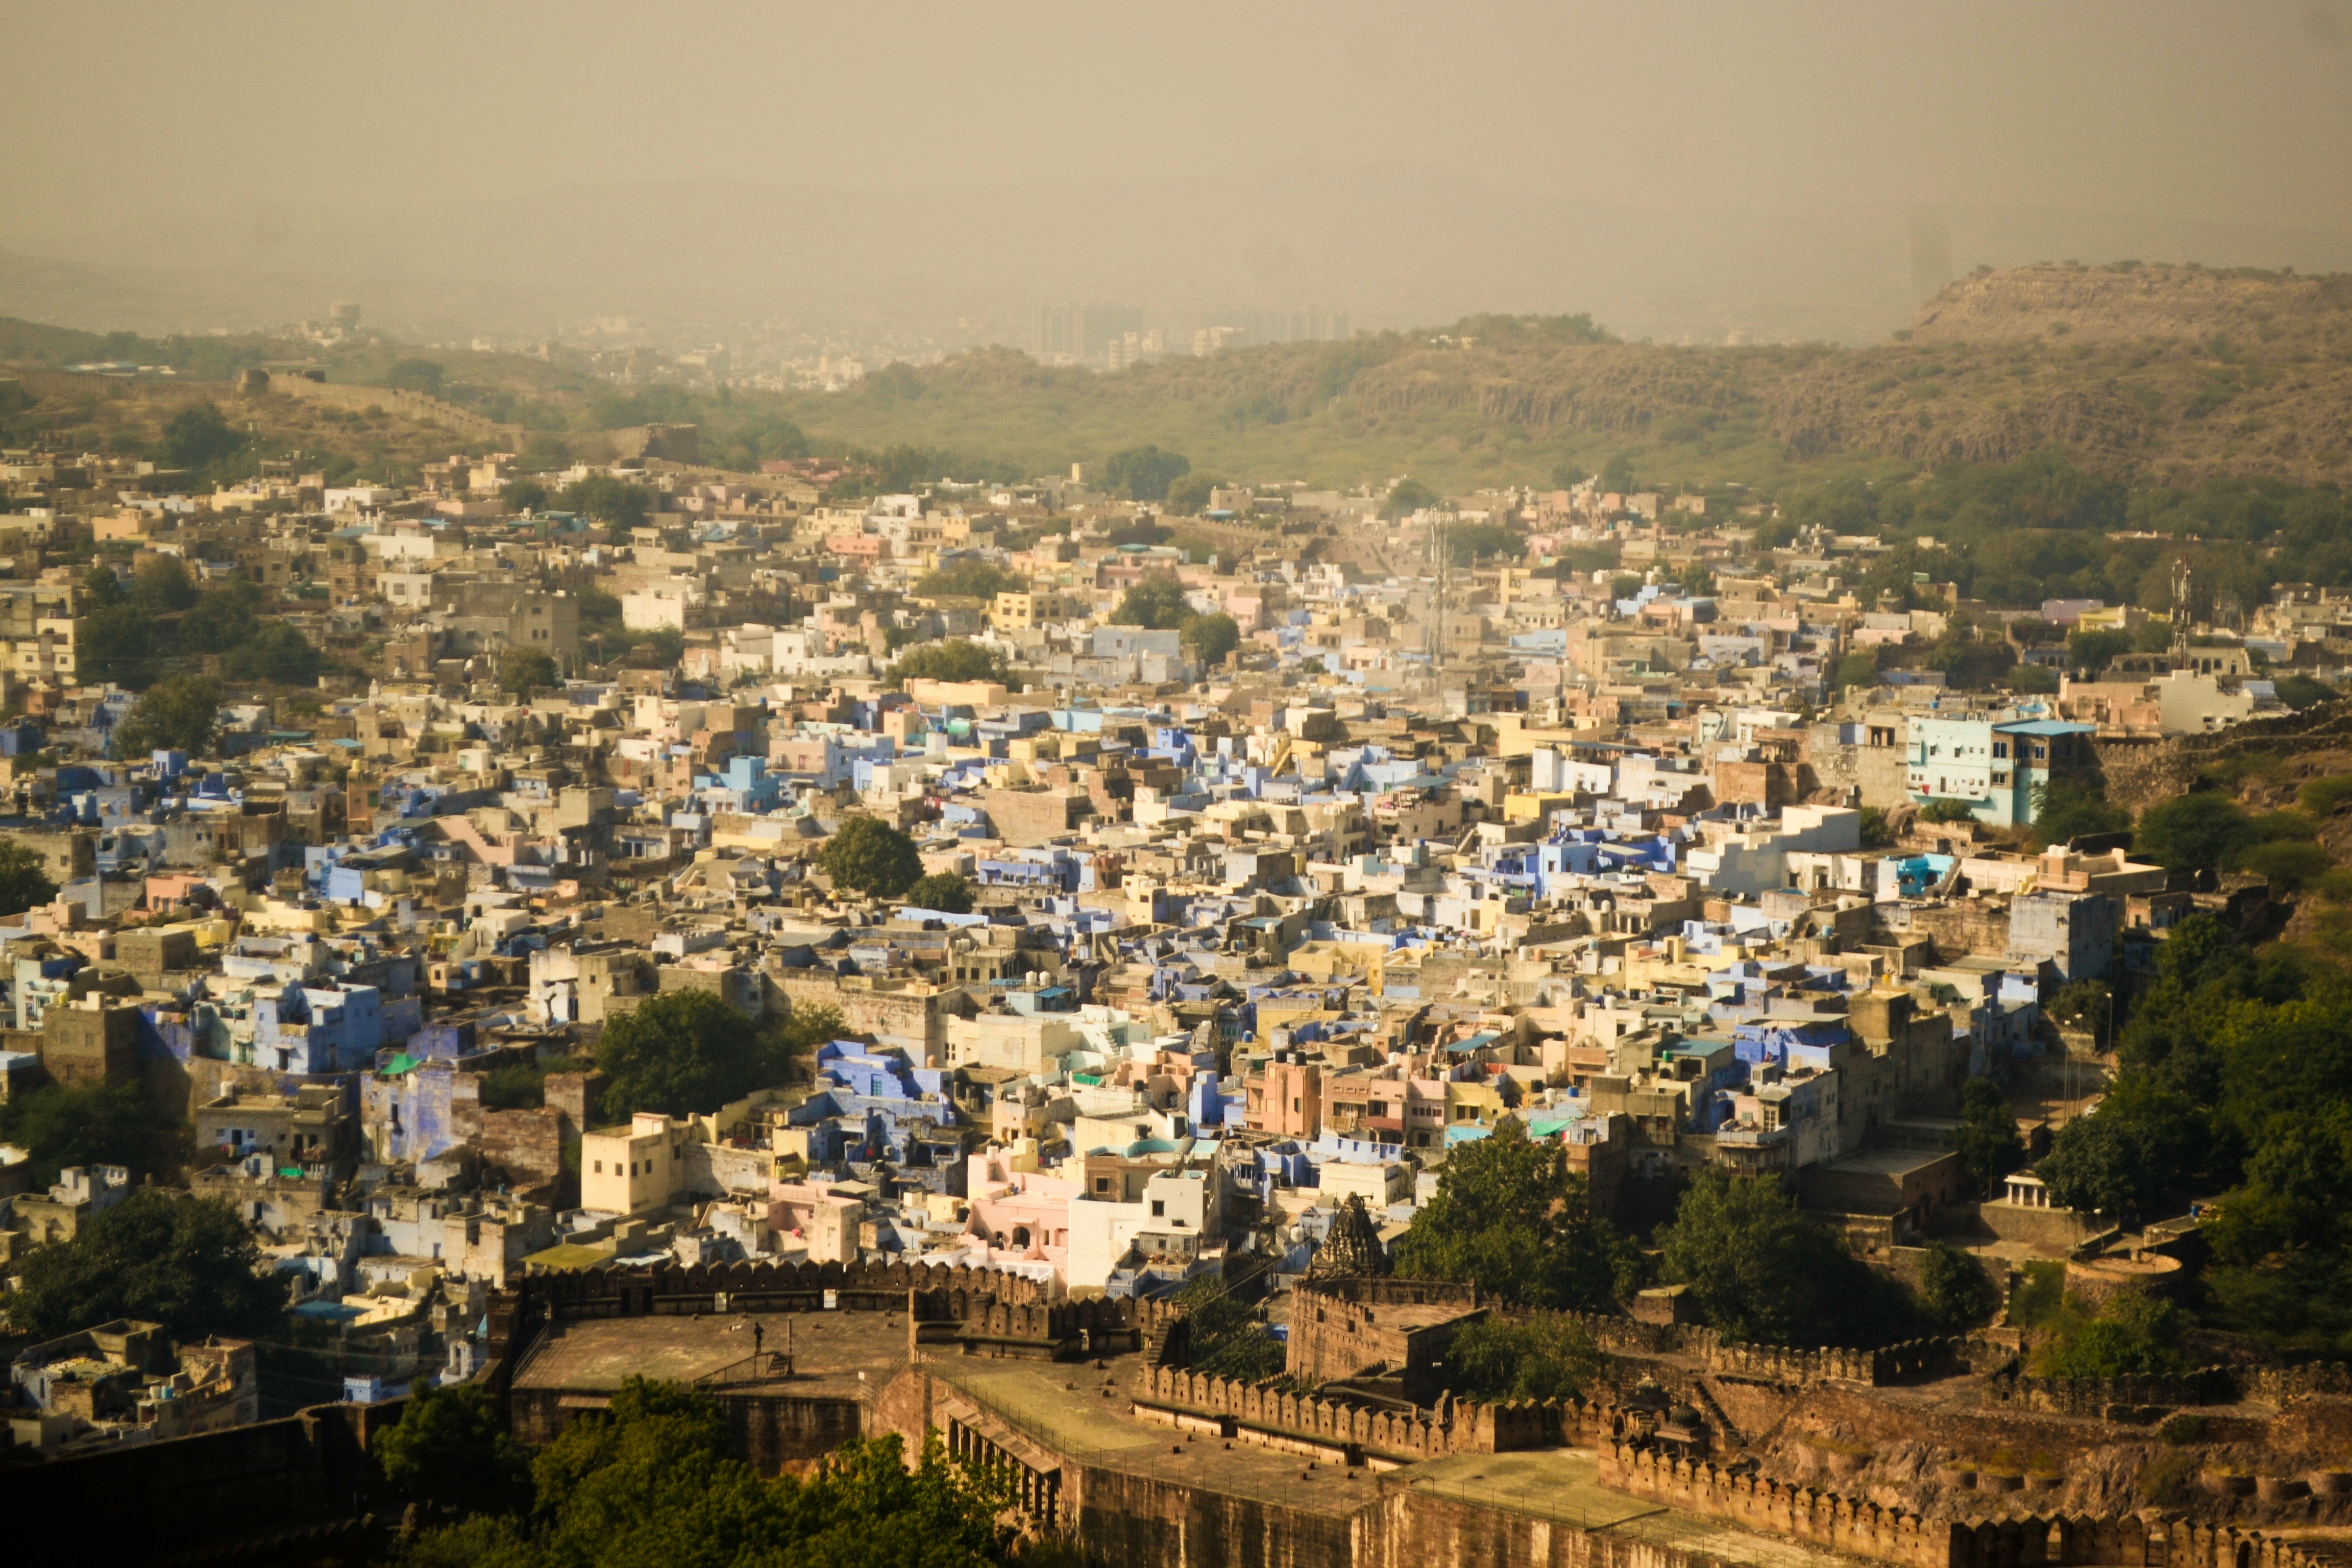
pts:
[1685, 171]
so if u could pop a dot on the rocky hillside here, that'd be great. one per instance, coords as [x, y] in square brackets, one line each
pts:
[2164, 374]
[2168, 373]
[2131, 302]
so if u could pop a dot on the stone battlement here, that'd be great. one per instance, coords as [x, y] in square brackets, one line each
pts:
[1457, 1427]
[1863, 1529]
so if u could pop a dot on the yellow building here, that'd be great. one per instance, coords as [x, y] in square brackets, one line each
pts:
[627, 1170]
[1018, 610]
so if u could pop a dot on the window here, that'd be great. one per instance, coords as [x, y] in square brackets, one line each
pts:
[1158, 1209]
[2001, 748]
[1102, 1184]
[600, 1167]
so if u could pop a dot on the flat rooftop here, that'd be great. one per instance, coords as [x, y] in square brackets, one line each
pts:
[593, 1356]
[1886, 1162]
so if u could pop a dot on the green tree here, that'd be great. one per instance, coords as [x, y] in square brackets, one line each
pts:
[867, 854]
[278, 653]
[25, 880]
[1468, 544]
[1616, 475]
[59, 1125]
[1190, 494]
[2201, 832]
[451, 1450]
[1225, 1335]
[182, 713]
[2068, 808]
[186, 1263]
[652, 1480]
[682, 1053]
[1955, 1293]
[197, 437]
[2302, 691]
[1987, 1139]
[523, 670]
[100, 587]
[1503, 1358]
[1858, 667]
[117, 645]
[2128, 1157]
[2131, 1335]
[955, 659]
[1947, 810]
[1144, 473]
[2090, 652]
[163, 584]
[1510, 1217]
[2086, 1004]
[525, 495]
[949, 892]
[1211, 637]
[1761, 1271]
[970, 578]
[607, 500]
[599, 610]
[1406, 497]
[659, 648]
[1156, 603]
[223, 618]
[415, 374]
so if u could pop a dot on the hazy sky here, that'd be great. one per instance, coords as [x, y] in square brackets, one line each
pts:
[143, 130]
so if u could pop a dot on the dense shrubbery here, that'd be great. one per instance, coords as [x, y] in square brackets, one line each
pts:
[653, 1481]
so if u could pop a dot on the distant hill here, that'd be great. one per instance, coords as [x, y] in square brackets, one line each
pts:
[31, 342]
[2175, 373]
[2168, 373]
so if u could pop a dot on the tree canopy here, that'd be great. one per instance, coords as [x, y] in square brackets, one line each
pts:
[275, 652]
[652, 1480]
[1190, 493]
[949, 892]
[1156, 603]
[163, 584]
[415, 374]
[1502, 1358]
[1144, 473]
[621, 502]
[1227, 1339]
[186, 1263]
[684, 1053]
[1987, 1142]
[971, 578]
[450, 1449]
[197, 437]
[1763, 1273]
[867, 854]
[2198, 831]
[59, 1125]
[24, 880]
[180, 713]
[1211, 637]
[523, 670]
[1406, 497]
[1512, 1218]
[954, 659]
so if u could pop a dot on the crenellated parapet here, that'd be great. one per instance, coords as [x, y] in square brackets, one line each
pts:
[1862, 1529]
[1459, 1426]
[2095, 1396]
